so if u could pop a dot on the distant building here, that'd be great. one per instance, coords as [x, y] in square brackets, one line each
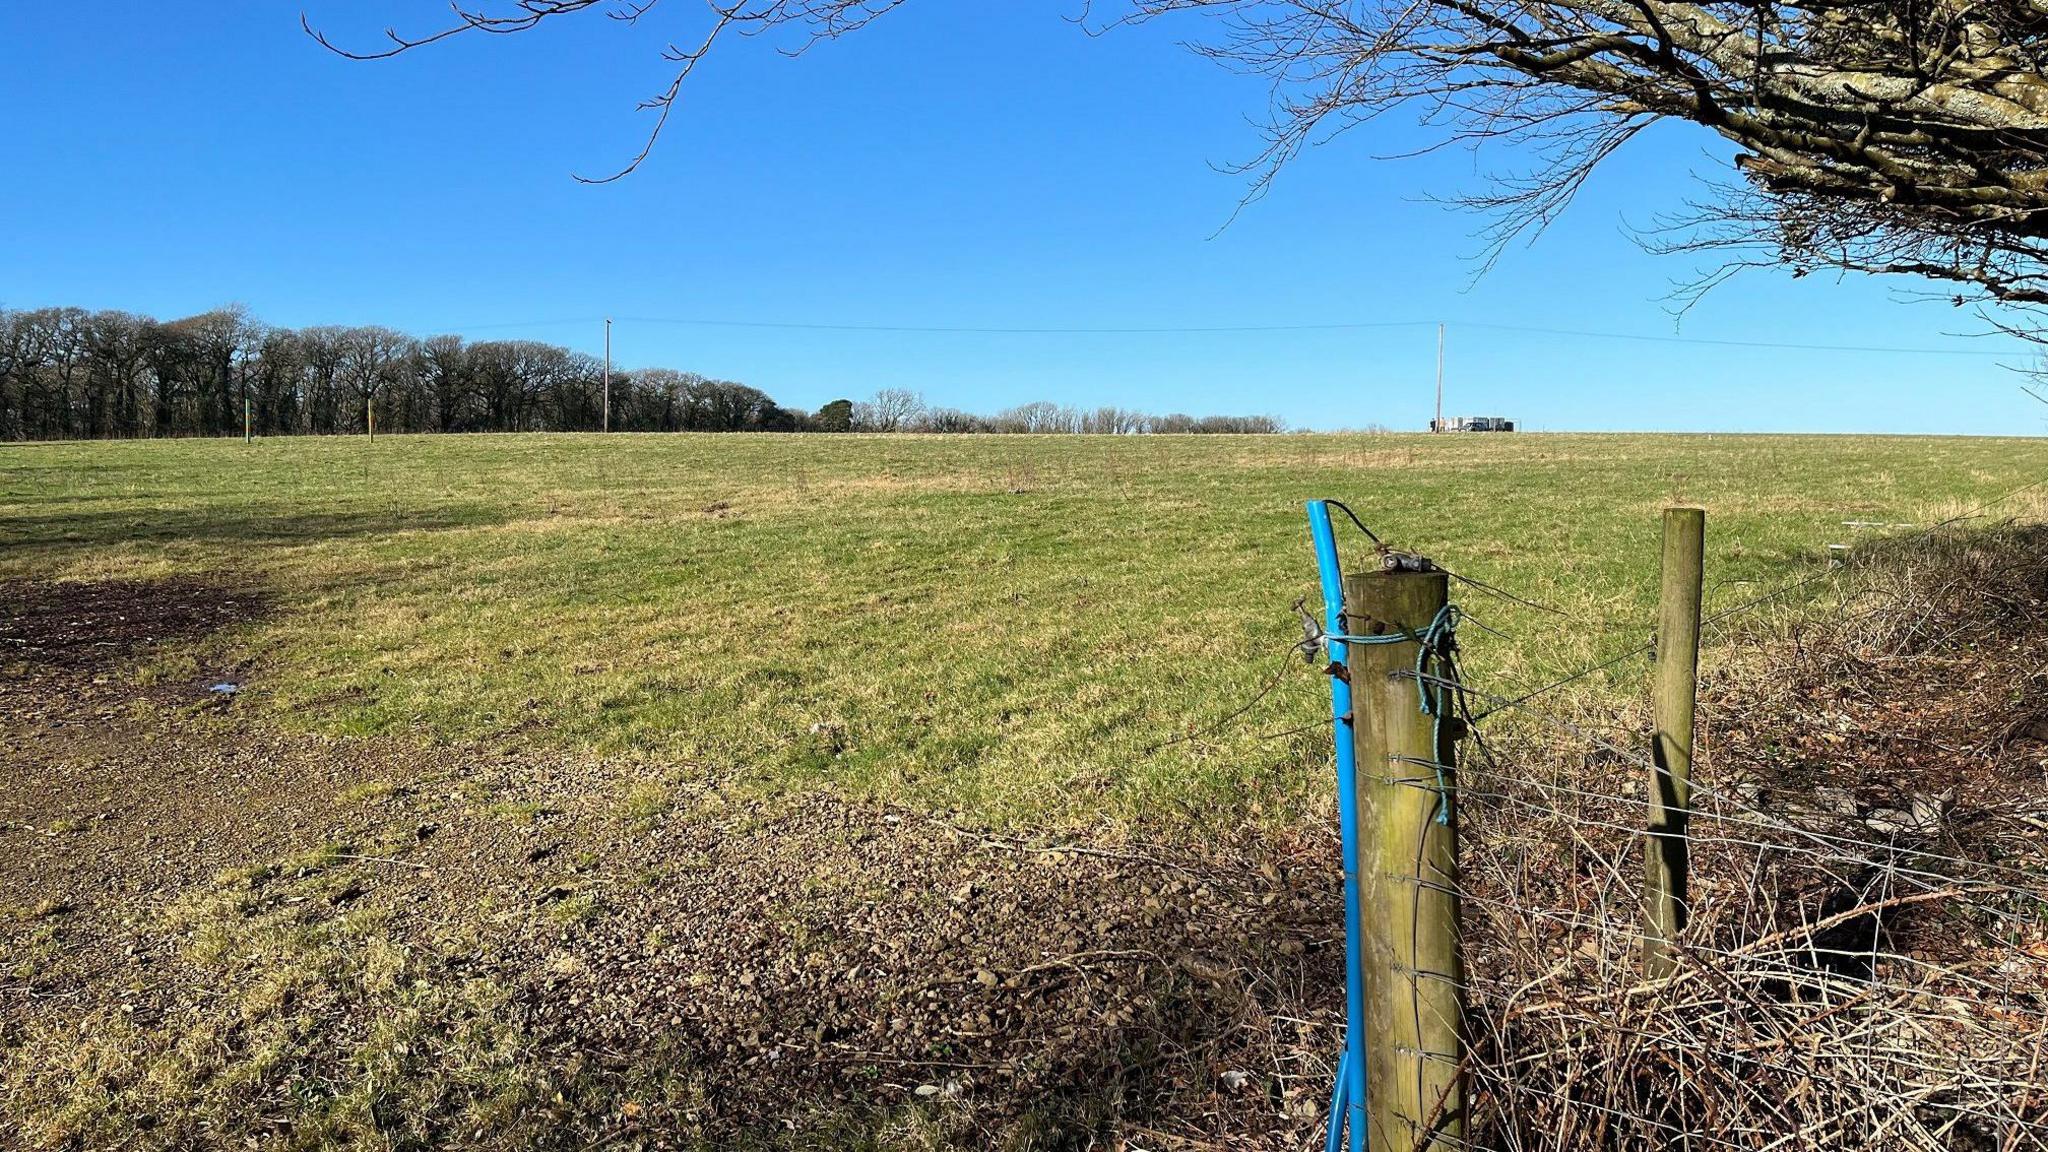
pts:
[1473, 424]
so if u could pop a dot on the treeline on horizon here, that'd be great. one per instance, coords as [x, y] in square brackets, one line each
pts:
[69, 373]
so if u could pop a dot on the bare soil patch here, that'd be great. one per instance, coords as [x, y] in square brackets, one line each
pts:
[69, 651]
[84, 627]
[116, 795]
[799, 961]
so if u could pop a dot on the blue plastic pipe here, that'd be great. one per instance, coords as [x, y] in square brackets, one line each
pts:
[1347, 1098]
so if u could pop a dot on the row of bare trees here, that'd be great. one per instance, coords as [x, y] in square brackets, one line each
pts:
[66, 373]
[901, 410]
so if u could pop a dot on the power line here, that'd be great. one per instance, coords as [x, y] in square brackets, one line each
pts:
[1233, 329]
[1779, 345]
[972, 330]
[572, 322]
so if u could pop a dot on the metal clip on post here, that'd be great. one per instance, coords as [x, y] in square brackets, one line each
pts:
[1394, 561]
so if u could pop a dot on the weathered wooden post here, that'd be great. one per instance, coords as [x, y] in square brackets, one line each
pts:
[1408, 867]
[1678, 661]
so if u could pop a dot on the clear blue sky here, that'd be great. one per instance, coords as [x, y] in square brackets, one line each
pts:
[984, 165]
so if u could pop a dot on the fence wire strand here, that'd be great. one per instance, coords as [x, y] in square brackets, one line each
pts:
[1840, 985]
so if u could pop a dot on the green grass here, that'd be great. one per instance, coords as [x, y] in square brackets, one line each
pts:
[1001, 625]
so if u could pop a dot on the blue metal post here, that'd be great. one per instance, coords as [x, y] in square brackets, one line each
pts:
[1347, 1110]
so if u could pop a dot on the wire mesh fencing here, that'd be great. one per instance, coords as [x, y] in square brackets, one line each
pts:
[1865, 959]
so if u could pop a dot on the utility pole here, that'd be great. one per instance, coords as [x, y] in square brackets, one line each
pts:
[1439, 425]
[607, 373]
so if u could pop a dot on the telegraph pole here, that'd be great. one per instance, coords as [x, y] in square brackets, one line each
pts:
[1439, 425]
[607, 373]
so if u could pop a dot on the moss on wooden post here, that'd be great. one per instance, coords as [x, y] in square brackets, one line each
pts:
[1408, 869]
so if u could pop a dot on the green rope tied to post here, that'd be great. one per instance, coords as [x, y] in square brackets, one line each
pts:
[1438, 646]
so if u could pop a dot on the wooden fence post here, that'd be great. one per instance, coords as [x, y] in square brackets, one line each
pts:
[1408, 869]
[1678, 661]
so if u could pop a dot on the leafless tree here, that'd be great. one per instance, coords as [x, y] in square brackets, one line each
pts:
[370, 358]
[1112, 421]
[1883, 136]
[281, 384]
[891, 410]
[116, 341]
[443, 371]
[1037, 416]
[66, 354]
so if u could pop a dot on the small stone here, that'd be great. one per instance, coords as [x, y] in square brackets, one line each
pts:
[1839, 801]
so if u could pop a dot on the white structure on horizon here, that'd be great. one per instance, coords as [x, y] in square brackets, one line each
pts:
[1473, 424]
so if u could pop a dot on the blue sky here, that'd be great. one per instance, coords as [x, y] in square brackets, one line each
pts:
[984, 165]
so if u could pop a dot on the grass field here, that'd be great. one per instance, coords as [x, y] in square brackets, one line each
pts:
[1002, 626]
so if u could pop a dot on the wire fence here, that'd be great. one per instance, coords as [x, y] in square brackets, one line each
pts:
[1865, 964]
